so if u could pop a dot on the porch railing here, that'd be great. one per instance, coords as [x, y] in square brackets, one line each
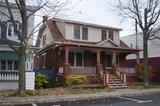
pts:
[9, 76]
[82, 70]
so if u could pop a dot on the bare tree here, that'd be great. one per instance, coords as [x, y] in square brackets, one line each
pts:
[46, 7]
[147, 15]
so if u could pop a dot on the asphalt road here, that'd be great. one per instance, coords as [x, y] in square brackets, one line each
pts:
[143, 100]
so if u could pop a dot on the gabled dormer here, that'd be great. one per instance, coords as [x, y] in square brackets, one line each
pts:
[60, 30]
[82, 31]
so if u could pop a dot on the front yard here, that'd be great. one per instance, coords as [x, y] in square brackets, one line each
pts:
[57, 91]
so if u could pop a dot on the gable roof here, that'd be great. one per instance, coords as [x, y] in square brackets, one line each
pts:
[107, 43]
[122, 44]
[56, 34]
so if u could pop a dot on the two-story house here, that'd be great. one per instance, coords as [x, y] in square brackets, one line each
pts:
[8, 57]
[80, 48]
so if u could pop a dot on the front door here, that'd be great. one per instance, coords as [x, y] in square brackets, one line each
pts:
[109, 60]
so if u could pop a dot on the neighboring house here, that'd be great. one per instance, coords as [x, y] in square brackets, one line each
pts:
[153, 52]
[8, 57]
[79, 48]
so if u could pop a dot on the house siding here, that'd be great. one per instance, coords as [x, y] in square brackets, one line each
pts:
[49, 38]
[94, 33]
[17, 16]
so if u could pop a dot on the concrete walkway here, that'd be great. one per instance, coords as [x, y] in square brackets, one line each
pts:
[37, 99]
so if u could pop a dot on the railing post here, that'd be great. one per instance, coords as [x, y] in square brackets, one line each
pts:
[124, 78]
[107, 78]
[104, 79]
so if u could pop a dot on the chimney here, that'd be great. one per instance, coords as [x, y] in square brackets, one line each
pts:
[45, 18]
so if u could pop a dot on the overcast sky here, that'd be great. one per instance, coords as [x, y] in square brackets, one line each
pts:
[99, 12]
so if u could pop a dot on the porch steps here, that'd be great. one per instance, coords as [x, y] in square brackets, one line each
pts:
[116, 83]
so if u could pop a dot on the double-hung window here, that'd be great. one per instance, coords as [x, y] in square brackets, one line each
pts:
[84, 33]
[107, 34]
[110, 35]
[80, 32]
[103, 34]
[10, 28]
[76, 58]
[76, 32]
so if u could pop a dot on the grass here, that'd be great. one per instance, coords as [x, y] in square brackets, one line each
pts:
[56, 91]
[141, 86]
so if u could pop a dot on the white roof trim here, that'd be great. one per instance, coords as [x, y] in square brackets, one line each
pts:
[108, 40]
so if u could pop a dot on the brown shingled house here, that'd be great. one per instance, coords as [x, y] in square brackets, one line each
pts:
[79, 48]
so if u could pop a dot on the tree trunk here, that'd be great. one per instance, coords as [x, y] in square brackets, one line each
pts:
[21, 69]
[145, 59]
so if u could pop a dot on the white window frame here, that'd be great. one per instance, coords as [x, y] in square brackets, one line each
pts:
[106, 34]
[113, 34]
[75, 58]
[81, 33]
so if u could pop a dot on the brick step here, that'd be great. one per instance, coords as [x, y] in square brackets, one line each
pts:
[118, 87]
[116, 84]
[114, 80]
[118, 81]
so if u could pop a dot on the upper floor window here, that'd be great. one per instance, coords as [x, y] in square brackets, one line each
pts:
[80, 32]
[44, 40]
[76, 32]
[10, 28]
[110, 35]
[107, 34]
[84, 33]
[104, 34]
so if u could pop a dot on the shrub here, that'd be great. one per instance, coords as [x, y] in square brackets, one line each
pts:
[140, 71]
[41, 81]
[75, 80]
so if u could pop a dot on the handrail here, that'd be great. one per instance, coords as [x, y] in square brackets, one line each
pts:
[104, 74]
[121, 73]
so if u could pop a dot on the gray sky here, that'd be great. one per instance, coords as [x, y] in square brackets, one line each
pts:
[99, 12]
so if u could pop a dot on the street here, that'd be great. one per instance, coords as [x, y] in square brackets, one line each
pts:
[143, 100]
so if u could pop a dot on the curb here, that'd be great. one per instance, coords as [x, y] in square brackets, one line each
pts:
[5, 101]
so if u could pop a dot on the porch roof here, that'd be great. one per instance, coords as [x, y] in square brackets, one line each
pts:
[88, 46]
[99, 46]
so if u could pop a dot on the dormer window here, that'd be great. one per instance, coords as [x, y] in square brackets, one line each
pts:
[110, 35]
[84, 33]
[104, 34]
[80, 32]
[107, 34]
[76, 32]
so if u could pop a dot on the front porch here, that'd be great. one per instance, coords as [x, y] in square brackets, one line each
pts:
[104, 64]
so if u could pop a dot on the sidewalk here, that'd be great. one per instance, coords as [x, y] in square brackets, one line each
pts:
[74, 97]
